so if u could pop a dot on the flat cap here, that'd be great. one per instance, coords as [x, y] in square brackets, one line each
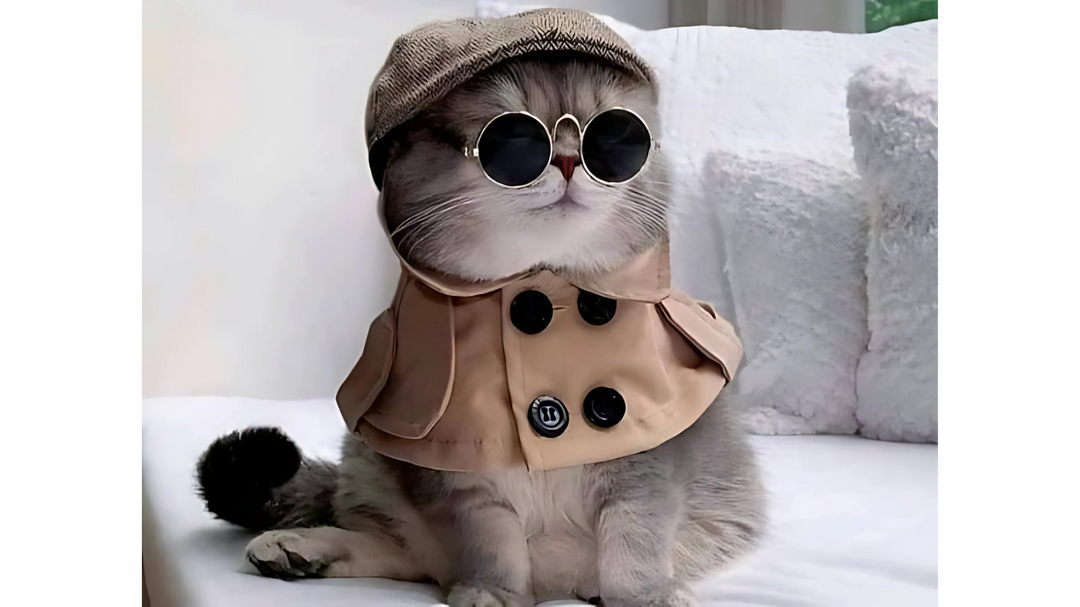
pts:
[430, 61]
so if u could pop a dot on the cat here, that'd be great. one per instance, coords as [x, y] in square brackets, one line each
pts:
[628, 532]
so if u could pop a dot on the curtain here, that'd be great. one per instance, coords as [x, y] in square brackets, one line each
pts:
[846, 16]
[755, 14]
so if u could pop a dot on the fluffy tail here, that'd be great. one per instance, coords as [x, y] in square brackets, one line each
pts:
[258, 479]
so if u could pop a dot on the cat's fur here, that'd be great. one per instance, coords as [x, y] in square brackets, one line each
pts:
[632, 531]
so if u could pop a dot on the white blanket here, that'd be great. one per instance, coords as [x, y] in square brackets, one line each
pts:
[854, 521]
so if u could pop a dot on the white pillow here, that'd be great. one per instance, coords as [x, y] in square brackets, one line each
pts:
[756, 127]
[793, 237]
[893, 114]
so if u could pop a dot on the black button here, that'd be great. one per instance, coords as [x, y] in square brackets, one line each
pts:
[530, 312]
[604, 407]
[548, 416]
[595, 309]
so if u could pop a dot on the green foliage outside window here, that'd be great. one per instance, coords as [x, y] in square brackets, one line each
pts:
[883, 14]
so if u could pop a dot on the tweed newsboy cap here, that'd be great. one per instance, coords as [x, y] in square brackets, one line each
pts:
[430, 61]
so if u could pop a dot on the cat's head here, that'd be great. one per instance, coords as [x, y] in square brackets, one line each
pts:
[445, 214]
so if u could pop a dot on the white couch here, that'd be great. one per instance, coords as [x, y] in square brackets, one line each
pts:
[853, 521]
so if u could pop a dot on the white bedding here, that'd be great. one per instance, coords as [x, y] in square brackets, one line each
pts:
[854, 521]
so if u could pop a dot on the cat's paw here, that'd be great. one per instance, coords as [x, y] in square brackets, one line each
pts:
[470, 596]
[288, 555]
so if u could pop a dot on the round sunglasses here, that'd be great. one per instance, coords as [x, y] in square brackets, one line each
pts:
[514, 148]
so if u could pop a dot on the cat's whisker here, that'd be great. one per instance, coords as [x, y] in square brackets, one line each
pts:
[428, 216]
[646, 207]
[425, 212]
[420, 227]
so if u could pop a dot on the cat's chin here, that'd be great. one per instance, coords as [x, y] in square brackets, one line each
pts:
[503, 259]
[562, 233]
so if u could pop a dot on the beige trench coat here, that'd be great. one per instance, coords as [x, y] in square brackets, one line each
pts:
[447, 380]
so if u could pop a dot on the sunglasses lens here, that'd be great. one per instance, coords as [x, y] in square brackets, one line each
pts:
[514, 149]
[615, 146]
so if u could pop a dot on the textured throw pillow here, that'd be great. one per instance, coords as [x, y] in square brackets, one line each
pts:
[793, 237]
[768, 221]
[893, 115]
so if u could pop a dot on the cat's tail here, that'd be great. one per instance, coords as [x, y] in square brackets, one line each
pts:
[257, 478]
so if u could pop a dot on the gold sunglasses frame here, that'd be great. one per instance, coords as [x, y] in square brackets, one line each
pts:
[474, 151]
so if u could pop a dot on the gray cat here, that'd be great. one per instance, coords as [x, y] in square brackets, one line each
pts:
[632, 531]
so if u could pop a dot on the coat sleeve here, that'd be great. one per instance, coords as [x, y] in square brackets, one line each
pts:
[708, 332]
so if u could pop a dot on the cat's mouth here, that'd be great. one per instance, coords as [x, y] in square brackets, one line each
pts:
[565, 204]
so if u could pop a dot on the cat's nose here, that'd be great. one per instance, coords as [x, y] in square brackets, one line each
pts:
[566, 165]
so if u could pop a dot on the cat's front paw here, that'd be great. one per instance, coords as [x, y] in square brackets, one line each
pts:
[471, 596]
[287, 555]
